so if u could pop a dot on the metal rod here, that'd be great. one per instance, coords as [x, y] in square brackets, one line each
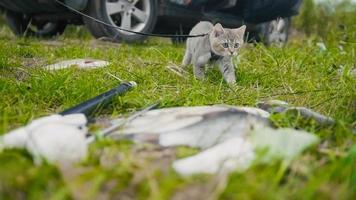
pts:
[88, 107]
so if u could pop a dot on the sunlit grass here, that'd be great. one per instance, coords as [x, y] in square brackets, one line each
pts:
[300, 73]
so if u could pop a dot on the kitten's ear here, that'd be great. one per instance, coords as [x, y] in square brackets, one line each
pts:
[218, 30]
[240, 31]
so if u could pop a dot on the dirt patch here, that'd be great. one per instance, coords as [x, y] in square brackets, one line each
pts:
[33, 62]
[53, 43]
[103, 43]
[21, 73]
[143, 162]
[210, 189]
[196, 192]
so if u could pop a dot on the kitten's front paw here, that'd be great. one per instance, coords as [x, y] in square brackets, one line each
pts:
[234, 86]
[231, 82]
[199, 73]
[199, 76]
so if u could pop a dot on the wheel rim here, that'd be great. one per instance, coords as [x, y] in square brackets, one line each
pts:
[128, 14]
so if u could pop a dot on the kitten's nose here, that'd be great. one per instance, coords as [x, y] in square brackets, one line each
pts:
[231, 51]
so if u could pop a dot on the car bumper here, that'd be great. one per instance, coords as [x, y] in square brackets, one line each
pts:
[41, 6]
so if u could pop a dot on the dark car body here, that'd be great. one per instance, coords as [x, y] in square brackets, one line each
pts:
[170, 17]
[169, 14]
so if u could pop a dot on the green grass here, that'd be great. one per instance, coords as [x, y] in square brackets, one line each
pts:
[301, 74]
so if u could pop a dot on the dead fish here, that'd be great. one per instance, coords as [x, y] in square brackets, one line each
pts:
[227, 135]
[240, 153]
[277, 106]
[233, 154]
[200, 126]
[272, 106]
[87, 63]
[214, 128]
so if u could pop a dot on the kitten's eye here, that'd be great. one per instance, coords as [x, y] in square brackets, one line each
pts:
[236, 45]
[225, 45]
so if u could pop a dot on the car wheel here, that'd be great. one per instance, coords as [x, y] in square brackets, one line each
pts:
[21, 25]
[95, 28]
[134, 15]
[275, 32]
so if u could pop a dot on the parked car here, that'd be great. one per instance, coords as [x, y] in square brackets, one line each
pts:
[46, 18]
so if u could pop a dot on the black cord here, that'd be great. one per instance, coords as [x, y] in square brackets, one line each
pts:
[126, 30]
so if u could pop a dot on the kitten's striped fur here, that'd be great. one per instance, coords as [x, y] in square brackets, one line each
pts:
[221, 43]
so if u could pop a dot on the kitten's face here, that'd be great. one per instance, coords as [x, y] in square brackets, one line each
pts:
[226, 42]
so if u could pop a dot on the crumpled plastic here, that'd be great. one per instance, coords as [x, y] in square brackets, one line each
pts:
[55, 138]
[239, 153]
[230, 137]
[233, 154]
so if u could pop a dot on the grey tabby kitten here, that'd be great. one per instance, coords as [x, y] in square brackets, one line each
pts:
[220, 45]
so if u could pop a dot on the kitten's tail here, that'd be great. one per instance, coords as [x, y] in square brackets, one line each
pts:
[187, 58]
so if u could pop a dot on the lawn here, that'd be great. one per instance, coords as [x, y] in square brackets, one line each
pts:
[302, 73]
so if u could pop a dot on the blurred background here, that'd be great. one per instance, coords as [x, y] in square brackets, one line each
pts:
[313, 17]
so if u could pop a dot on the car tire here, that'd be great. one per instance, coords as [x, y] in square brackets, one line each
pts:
[95, 28]
[275, 32]
[21, 25]
[135, 15]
